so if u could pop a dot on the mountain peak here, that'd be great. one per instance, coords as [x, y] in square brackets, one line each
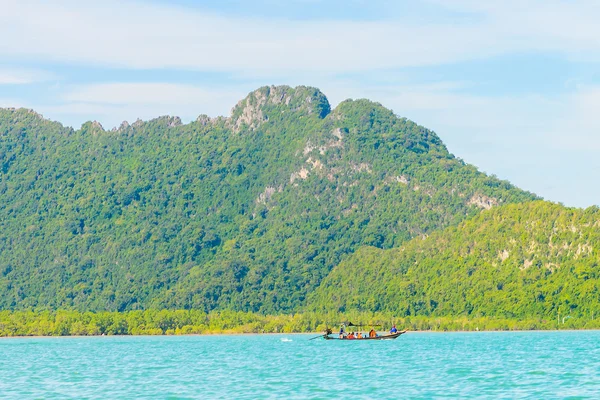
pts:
[21, 114]
[93, 127]
[255, 108]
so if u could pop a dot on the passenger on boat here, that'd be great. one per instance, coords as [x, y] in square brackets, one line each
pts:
[350, 336]
[393, 330]
[342, 332]
[359, 335]
[372, 333]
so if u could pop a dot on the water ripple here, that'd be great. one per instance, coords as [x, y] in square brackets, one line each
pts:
[417, 365]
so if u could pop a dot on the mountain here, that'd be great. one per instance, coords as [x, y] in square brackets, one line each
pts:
[534, 259]
[249, 212]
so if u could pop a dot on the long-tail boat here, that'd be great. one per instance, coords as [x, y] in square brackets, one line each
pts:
[329, 335]
[382, 337]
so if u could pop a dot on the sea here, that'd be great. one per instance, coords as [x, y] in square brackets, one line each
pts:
[535, 365]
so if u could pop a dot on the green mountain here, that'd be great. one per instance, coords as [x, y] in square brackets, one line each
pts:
[249, 212]
[535, 259]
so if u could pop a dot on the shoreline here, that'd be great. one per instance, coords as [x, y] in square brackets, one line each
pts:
[290, 333]
[71, 323]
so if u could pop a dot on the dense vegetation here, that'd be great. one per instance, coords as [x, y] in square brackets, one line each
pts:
[186, 322]
[521, 261]
[248, 213]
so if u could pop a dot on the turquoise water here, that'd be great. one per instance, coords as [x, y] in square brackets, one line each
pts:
[417, 365]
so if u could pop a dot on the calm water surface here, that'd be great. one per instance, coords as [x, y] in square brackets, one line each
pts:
[417, 365]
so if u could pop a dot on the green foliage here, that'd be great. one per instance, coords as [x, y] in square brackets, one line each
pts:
[522, 261]
[193, 322]
[150, 322]
[248, 213]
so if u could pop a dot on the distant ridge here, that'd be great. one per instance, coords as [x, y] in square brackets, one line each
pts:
[518, 261]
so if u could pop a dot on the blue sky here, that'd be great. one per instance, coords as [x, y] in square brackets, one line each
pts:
[512, 87]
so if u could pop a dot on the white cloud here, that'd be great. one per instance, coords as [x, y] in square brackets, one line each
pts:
[136, 35]
[111, 103]
[147, 93]
[22, 76]
[11, 103]
[578, 125]
[567, 27]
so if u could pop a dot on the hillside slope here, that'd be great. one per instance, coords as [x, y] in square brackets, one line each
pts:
[248, 212]
[535, 259]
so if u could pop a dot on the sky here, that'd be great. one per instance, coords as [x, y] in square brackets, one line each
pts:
[512, 87]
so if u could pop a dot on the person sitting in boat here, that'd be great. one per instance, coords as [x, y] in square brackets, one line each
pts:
[350, 336]
[372, 333]
[393, 330]
[359, 335]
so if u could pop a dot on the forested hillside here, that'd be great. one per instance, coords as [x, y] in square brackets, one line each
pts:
[249, 212]
[529, 260]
